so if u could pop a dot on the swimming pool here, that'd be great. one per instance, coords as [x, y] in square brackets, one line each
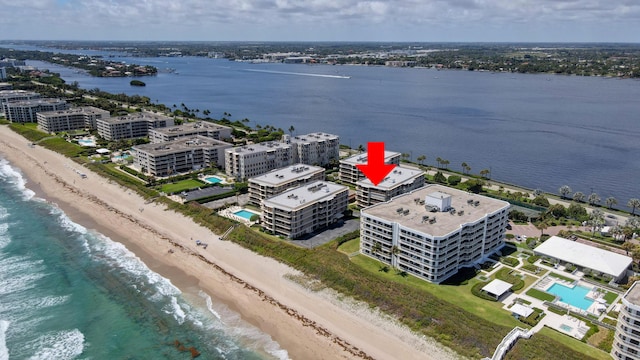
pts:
[86, 142]
[213, 179]
[575, 296]
[244, 214]
[566, 328]
[121, 157]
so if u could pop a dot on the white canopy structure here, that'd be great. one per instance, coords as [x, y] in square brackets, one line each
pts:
[521, 310]
[585, 256]
[497, 288]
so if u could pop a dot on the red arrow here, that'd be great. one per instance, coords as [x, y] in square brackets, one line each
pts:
[375, 169]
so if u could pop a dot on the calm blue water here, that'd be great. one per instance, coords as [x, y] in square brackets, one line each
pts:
[245, 214]
[71, 293]
[575, 296]
[539, 131]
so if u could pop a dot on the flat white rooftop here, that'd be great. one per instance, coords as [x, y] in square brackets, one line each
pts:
[302, 196]
[408, 211]
[190, 127]
[260, 147]
[633, 294]
[362, 158]
[76, 110]
[287, 174]
[313, 137]
[180, 144]
[137, 117]
[521, 310]
[397, 177]
[583, 255]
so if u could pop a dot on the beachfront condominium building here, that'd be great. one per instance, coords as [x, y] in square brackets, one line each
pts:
[76, 118]
[24, 111]
[7, 96]
[314, 149]
[203, 128]
[248, 161]
[305, 209]
[350, 174]
[180, 155]
[277, 181]
[399, 181]
[626, 341]
[131, 126]
[434, 231]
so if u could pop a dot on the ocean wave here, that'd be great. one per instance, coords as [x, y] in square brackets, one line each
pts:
[4, 351]
[13, 176]
[248, 334]
[61, 345]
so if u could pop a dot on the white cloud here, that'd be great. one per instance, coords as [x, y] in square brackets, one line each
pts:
[311, 19]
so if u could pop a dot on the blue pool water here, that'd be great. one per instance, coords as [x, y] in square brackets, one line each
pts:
[575, 297]
[86, 142]
[121, 157]
[566, 328]
[245, 214]
[213, 179]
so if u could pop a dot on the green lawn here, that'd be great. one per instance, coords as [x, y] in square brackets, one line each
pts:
[558, 276]
[459, 295]
[540, 295]
[350, 246]
[575, 344]
[183, 185]
[610, 297]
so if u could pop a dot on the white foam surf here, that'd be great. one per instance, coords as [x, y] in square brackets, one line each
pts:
[12, 175]
[245, 332]
[4, 351]
[61, 345]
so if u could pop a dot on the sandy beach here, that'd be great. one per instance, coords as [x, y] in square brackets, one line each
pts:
[308, 324]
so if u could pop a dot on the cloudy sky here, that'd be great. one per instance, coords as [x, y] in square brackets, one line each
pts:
[323, 20]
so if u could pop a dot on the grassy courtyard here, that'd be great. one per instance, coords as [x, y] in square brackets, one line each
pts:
[180, 186]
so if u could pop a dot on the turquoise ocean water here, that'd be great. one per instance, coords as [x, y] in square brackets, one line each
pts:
[67, 292]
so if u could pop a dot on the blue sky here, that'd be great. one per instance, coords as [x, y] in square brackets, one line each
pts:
[323, 20]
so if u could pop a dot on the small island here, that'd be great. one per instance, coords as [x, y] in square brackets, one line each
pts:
[137, 83]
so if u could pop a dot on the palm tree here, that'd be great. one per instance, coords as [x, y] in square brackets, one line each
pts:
[446, 163]
[439, 161]
[405, 156]
[564, 191]
[421, 159]
[593, 199]
[394, 252]
[361, 148]
[464, 167]
[633, 204]
[578, 197]
[628, 246]
[596, 220]
[611, 201]
[484, 173]
[291, 130]
[542, 225]
[376, 249]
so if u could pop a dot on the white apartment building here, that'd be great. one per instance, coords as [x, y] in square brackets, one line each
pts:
[315, 148]
[434, 231]
[203, 128]
[131, 126]
[7, 96]
[247, 161]
[180, 155]
[24, 111]
[350, 174]
[277, 181]
[626, 341]
[305, 209]
[399, 181]
[76, 118]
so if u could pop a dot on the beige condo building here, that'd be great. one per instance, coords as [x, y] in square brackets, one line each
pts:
[267, 185]
[350, 174]
[434, 231]
[247, 161]
[305, 209]
[25, 111]
[180, 155]
[202, 128]
[76, 118]
[399, 181]
[131, 126]
[314, 149]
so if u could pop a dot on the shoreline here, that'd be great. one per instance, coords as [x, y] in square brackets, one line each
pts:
[307, 324]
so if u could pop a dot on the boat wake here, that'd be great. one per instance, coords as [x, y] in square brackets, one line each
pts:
[299, 74]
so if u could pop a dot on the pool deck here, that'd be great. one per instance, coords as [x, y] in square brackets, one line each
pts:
[229, 213]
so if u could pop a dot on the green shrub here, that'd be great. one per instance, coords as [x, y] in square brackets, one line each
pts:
[477, 291]
[454, 180]
[511, 261]
[533, 259]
